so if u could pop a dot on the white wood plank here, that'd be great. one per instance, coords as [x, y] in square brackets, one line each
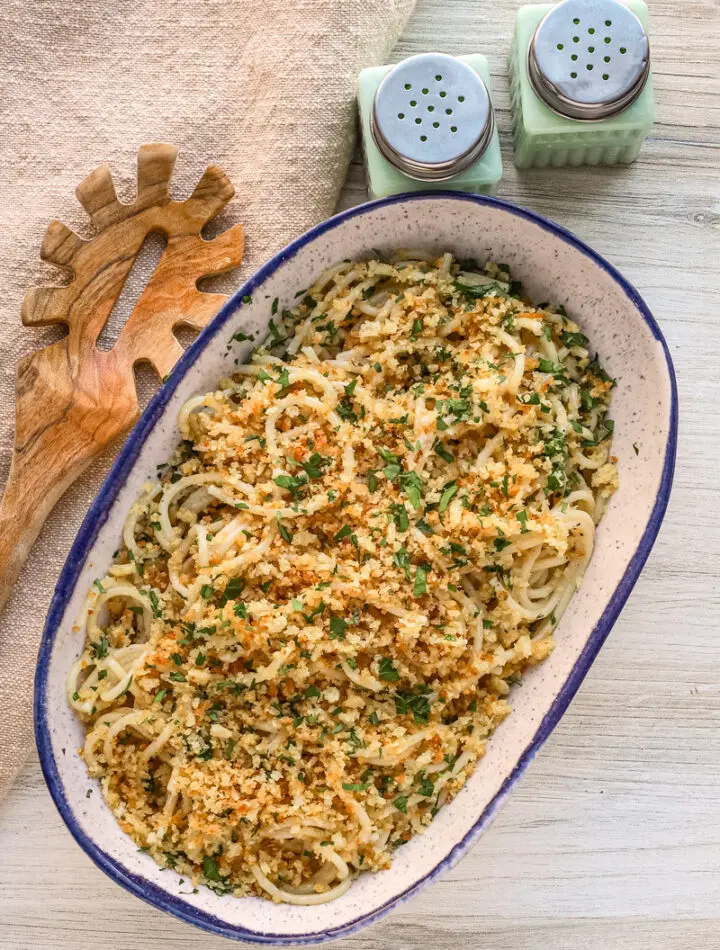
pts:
[613, 837]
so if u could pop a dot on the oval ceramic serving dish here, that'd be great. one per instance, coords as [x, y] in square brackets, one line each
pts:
[553, 265]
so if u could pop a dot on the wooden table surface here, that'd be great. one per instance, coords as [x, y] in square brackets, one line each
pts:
[612, 840]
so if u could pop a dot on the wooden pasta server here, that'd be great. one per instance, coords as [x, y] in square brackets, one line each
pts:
[74, 399]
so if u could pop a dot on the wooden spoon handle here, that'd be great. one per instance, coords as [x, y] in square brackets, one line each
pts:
[24, 508]
[65, 417]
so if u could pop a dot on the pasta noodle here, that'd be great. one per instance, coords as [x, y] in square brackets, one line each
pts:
[366, 536]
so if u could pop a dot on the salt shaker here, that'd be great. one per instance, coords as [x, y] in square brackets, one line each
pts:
[581, 87]
[427, 123]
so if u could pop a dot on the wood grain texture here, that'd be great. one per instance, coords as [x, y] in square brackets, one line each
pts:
[612, 840]
[73, 398]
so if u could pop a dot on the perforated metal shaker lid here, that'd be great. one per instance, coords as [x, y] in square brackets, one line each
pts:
[589, 59]
[432, 116]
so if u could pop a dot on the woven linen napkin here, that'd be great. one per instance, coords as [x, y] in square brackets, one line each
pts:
[265, 89]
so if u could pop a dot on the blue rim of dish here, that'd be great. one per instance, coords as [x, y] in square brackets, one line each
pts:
[99, 512]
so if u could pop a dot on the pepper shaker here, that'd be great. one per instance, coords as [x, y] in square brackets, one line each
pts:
[429, 122]
[581, 87]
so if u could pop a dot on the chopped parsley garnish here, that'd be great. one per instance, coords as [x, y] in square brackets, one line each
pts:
[447, 496]
[313, 466]
[291, 483]
[338, 628]
[573, 339]
[491, 288]
[387, 671]
[426, 787]
[596, 369]
[415, 703]
[554, 369]
[412, 485]
[284, 532]
[210, 869]
[401, 803]
[100, 647]
[440, 450]
[356, 786]
[155, 604]
[529, 399]
[401, 559]
[398, 514]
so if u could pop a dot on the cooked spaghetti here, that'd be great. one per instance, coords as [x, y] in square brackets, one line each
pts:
[365, 537]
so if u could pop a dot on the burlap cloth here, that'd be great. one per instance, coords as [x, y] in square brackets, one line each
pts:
[265, 88]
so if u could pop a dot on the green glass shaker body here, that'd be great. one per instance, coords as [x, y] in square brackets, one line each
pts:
[384, 178]
[542, 137]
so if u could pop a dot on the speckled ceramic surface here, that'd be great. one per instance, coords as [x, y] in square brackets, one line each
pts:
[553, 266]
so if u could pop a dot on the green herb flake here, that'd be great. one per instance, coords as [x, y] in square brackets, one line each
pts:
[356, 786]
[387, 671]
[447, 496]
[155, 604]
[398, 514]
[573, 339]
[291, 483]
[210, 869]
[412, 485]
[401, 559]
[338, 628]
[285, 533]
[100, 648]
[444, 454]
